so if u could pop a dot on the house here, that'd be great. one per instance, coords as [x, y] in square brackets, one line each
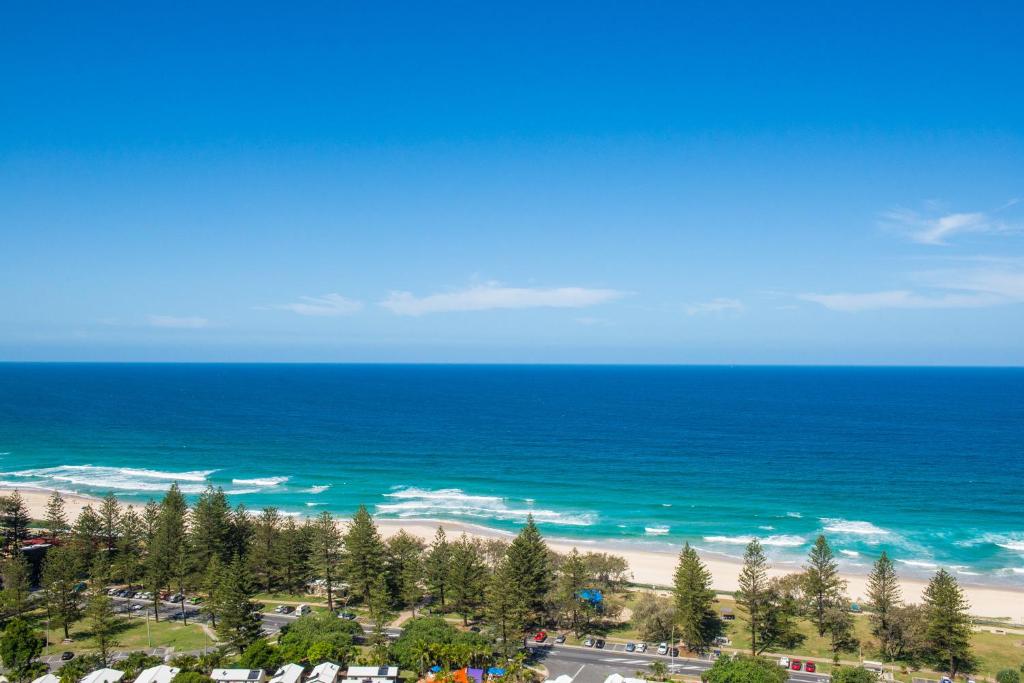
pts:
[47, 678]
[728, 614]
[564, 678]
[103, 676]
[238, 675]
[619, 678]
[289, 673]
[158, 674]
[371, 674]
[326, 672]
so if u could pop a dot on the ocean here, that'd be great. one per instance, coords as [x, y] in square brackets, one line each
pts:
[926, 463]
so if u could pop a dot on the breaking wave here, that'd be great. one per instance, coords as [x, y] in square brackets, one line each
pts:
[777, 540]
[262, 482]
[113, 478]
[843, 526]
[417, 502]
[656, 530]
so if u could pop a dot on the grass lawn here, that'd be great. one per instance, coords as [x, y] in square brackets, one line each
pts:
[133, 636]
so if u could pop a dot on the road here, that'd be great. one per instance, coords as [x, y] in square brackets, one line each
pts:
[589, 665]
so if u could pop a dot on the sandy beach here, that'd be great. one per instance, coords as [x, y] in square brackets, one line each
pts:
[647, 567]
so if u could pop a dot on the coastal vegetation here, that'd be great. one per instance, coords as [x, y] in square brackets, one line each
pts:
[462, 601]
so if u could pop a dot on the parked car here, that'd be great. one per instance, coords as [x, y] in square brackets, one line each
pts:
[722, 640]
[540, 637]
[599, 643]
[663, 649]
[630, 647]
[195, 601]
[589, 642]
[177, 597]
[641, 647]
[287, 609]
[112, 591]
[66, 656]
[164, 595]
[350, 616]
[796, 665]
[560, 638]
[136, 607]
[810, 668]
[784, 662]
[675, 652]
[302, 609]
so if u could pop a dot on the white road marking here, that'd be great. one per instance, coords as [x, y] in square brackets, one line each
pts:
[578, 671]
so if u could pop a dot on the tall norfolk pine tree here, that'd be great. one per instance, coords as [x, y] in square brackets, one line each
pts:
[363, 561]
[699, 623]
[949, 625]
[530, 568]
[753, 594]
[822, 584]
[884, 597]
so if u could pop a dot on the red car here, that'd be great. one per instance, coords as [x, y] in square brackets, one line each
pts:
[796, 665]
[540, 637]
[809, 667]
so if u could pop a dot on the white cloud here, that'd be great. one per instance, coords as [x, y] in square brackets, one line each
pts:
[951, 288]
[328, 305]
[937, 228]
[718, 305]
[493, 296]
[181, 323]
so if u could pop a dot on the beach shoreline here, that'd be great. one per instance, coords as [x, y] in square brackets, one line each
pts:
[649, 567]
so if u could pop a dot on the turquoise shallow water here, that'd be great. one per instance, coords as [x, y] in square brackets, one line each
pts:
[926, 463]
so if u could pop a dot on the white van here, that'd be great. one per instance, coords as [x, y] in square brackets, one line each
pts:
[302, 609]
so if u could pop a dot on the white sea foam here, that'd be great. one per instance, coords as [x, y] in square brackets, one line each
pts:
[312, 505]
[115, 478]
[843, 526]
[242, 492]
[794, 515]
[766, 527]
[263, 482]
[656, 530]
[666, 505]
[777, 540]
[317, 489]
[417, 502]
[922, 564]
[850, 553]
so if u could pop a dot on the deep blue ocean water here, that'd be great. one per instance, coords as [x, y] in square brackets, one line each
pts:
[927, 463]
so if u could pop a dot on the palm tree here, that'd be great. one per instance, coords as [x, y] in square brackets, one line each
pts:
[423, 652]
[659, 671]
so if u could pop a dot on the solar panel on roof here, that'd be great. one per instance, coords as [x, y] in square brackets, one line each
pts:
[254, 674]
[382, 671]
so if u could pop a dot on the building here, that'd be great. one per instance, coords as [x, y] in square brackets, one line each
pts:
[239, 676]
[47, 678]
[371, 674]
[326, 672]
[618, 678]
[158, 674]
[289, 673]
[103, 676]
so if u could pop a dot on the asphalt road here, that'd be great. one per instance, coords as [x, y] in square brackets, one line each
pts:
[590, 665]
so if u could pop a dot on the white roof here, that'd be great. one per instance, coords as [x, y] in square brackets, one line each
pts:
[103, 676]
[327, 672]
[372, 672]
[47, 678]
[237, 674]
[289, 673]
[158, 674]
[618, 678]
[564, 678]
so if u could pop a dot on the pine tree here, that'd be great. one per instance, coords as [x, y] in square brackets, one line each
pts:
[85, 535]
[59, 579]
[405, 568]
[505, 609]
[128, 564]
[363, 561]
[571, 580]
[110, 520]
[530, 566]
[210, 533]
[213, 579]
[264, 546]
[240, 622]
[753, 594]
[56, 518]
[468, 577]
[949, 627]
[167, 560]
[699, 624]
[438, 566]
[14, 576]
[325, 555]
[103, 624]
[293, 554]
[14, 519]
[822, 584]
[884, 596]
[379, 604]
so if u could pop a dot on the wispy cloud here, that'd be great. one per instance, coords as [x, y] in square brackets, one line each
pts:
[949, 288]
[494, 296]
[937, 228]
[718, 305]
[177, 322]
[327, 305]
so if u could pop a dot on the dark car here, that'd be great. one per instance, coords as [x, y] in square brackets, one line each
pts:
[599, 643]
[65, 656]
[630, 647]
[349, 616]
[560, 638]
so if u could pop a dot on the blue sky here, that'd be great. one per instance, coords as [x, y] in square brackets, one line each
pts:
[474, 182]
